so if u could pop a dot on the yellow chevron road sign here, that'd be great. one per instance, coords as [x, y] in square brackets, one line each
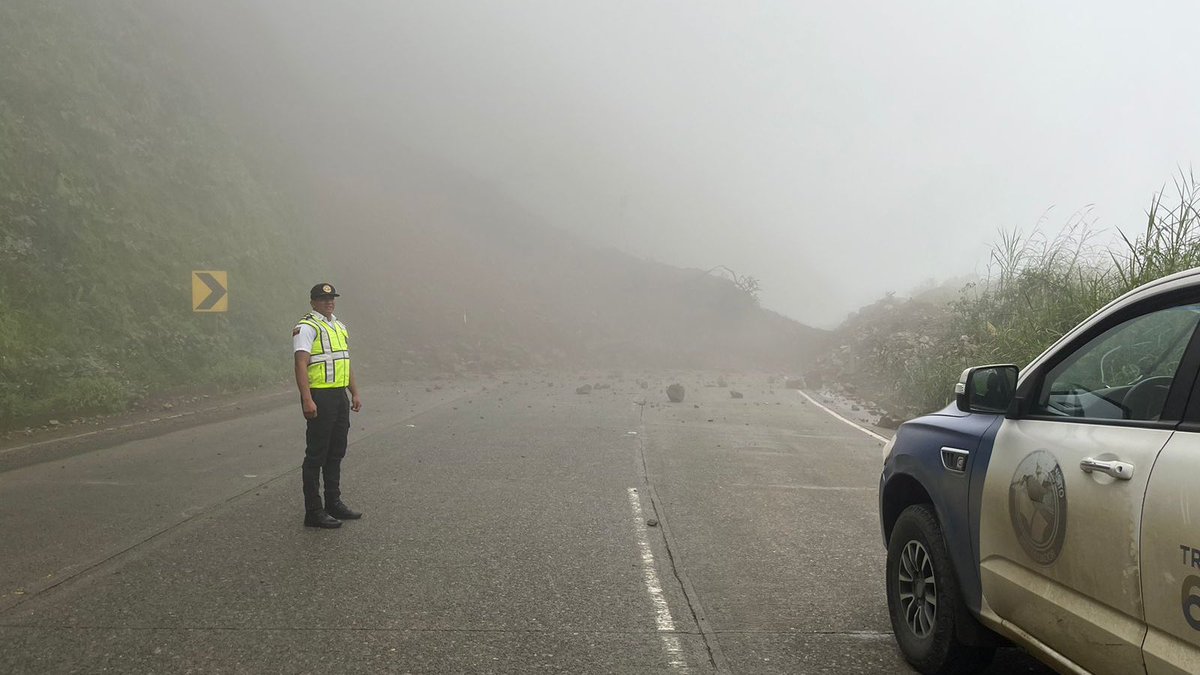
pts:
[210, 291]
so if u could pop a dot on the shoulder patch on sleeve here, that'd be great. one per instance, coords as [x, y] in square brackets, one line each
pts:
[295, 331]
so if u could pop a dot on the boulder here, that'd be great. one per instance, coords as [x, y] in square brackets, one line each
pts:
[675, 393]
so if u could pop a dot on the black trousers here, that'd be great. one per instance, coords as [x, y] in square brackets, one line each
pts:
[326, 437]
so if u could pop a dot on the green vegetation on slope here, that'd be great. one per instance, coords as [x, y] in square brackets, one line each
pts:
[115, 182]
[905, 355]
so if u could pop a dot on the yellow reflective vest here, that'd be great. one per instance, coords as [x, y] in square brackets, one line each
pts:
[329, 365]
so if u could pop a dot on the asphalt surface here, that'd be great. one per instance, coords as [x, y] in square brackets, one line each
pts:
[512, 526]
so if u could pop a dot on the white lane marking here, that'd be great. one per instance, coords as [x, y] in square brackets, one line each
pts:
[863, 429]
[663, 620]
[837, 488]
[826, 436]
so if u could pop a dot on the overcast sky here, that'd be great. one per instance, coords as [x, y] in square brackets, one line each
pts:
[835, 150]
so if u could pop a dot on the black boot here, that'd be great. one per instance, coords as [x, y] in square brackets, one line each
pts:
[338, 509]
[319, 518]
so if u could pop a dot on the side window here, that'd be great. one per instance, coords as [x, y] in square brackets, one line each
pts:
[1122, 374]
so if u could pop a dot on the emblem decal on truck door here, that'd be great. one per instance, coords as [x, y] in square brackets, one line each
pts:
[1037, 505]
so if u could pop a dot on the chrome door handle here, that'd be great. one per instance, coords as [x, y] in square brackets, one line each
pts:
[1118, 470]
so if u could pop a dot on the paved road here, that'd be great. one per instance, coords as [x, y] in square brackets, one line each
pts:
[509, 528]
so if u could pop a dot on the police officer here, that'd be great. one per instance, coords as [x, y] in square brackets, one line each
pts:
[323, 375]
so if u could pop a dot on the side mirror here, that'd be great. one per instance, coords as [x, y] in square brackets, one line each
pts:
[986, 389]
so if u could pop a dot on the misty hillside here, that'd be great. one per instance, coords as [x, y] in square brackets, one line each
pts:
[116, 180]
[450, 274]
[141, 142]
[442, 270]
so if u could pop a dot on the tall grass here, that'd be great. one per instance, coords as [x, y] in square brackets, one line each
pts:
[1170, 241]
[1038, 287]
[906, 355]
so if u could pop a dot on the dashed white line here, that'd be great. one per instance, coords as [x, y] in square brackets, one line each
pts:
[663, 620]
[861, 428]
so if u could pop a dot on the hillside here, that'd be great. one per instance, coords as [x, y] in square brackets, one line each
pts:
[138, 145]
[441, 270]
[451, 275]
[116, 180]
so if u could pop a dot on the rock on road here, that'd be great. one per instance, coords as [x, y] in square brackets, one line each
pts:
[512, 526]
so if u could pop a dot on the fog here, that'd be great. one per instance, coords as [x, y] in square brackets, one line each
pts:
[835, 151]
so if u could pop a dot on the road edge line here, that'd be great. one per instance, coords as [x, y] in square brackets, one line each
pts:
[872, 434]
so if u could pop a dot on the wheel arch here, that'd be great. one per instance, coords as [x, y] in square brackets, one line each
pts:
[899, 493]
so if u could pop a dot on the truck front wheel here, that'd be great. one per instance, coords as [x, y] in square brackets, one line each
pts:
[924, 599]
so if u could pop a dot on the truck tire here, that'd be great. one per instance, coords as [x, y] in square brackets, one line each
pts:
[924, 599]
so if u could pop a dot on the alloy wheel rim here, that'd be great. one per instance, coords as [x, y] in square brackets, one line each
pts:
[917, 588]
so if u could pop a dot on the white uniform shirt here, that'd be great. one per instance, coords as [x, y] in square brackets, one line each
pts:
[303, 335]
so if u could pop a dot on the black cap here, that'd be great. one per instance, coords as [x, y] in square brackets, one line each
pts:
[322, 291]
